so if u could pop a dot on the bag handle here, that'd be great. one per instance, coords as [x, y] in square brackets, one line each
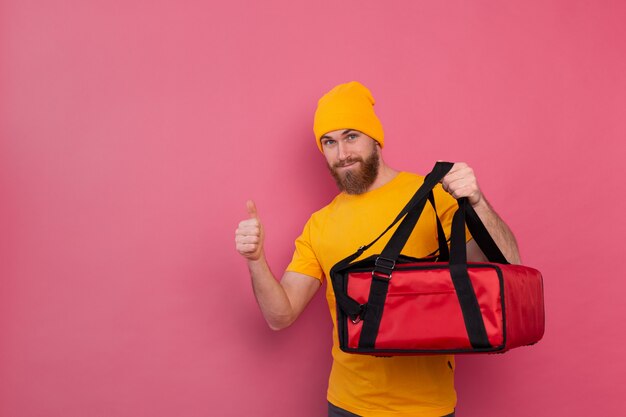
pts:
[468, 216]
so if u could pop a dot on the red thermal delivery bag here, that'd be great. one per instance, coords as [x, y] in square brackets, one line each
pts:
[389, 304]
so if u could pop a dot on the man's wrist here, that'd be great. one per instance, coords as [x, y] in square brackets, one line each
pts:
[481, 204]
[256, 261]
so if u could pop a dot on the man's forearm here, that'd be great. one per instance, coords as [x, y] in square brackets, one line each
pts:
[270, 295]
[498, 230]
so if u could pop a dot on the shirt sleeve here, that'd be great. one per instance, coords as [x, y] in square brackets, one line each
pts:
[304, 260]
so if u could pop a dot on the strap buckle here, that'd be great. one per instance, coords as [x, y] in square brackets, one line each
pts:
[383, 268]
[359, 316]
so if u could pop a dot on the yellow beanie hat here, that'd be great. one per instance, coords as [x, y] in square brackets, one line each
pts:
[347, 106]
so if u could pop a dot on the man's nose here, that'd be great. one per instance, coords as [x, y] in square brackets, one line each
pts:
[343, 151]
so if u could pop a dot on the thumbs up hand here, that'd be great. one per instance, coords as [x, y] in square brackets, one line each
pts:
[249, 235]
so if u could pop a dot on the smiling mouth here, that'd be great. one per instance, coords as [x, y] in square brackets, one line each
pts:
[346, 165]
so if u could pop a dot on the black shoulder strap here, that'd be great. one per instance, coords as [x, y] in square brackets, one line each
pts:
[423, 193]
[414, 206]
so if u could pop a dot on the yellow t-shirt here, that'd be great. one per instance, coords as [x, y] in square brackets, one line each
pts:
[367, 385]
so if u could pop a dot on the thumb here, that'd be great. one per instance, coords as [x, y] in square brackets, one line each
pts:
[252, 209]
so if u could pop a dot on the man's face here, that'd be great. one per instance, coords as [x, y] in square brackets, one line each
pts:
[352, 159]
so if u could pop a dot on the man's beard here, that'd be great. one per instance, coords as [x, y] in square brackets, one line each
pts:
[356, 181]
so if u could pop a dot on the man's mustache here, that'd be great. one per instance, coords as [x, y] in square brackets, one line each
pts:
[347, 162]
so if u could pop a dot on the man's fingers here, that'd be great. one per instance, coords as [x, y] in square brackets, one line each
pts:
[252, 209]
[249, 227]
[459, 169]
[248, 239]
[246, 248]
[461, 182]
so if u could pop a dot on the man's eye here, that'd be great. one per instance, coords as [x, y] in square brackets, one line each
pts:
[352, 136]
[328, 142]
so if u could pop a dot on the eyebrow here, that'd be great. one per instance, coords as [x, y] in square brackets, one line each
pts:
[345, 132]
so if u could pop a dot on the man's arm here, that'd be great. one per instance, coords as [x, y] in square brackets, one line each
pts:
[461, 182]
[280, 302]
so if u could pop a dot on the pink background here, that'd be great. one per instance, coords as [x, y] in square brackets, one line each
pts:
[132, 132]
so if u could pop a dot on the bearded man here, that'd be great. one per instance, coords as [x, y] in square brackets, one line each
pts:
[351, 138]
